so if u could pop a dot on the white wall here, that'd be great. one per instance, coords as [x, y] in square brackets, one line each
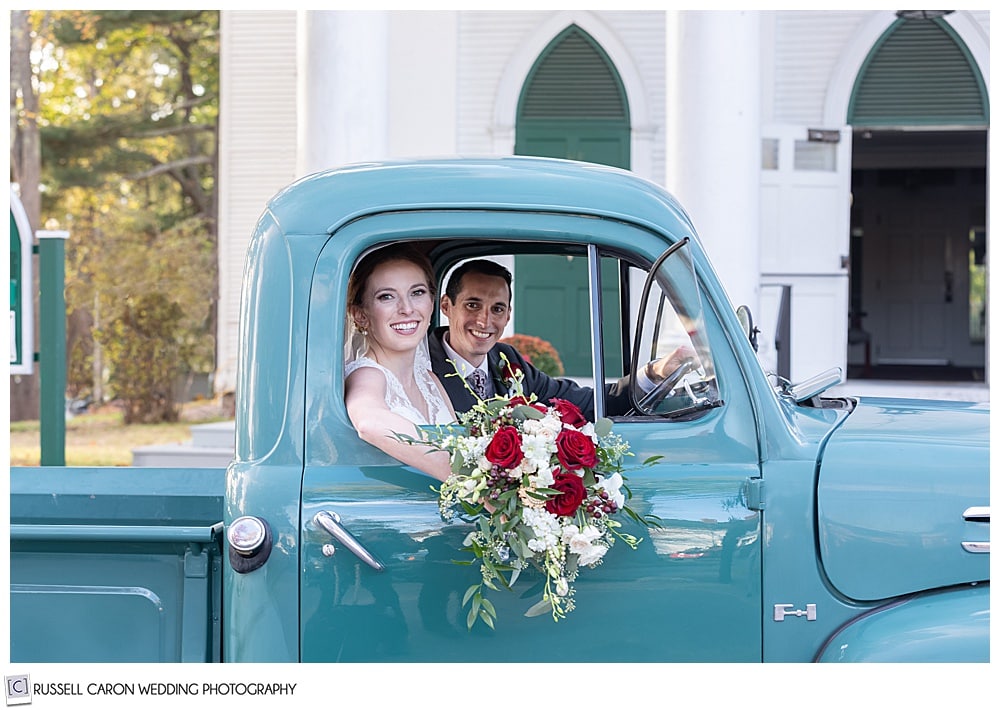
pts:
[257, 143]
[423, 95]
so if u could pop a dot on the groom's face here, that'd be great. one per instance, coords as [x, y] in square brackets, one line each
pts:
[477, 316]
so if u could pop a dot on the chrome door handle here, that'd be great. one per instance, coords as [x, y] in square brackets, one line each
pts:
[330, 522]
[977, 514]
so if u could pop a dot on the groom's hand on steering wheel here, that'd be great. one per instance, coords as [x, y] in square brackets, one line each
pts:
[659, 369]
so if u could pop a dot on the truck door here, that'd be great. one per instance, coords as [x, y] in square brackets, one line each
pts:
[381, 583]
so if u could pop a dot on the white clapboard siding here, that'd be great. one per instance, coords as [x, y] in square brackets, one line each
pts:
[807, 47]
[257, 150]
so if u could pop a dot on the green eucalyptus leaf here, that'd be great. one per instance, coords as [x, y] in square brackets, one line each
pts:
[542, 607]
[523, 411]
[469, 592]
[488, 607]
[602, 427]
[494, 406]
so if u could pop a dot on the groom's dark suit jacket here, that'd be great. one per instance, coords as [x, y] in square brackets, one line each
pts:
[535, 381]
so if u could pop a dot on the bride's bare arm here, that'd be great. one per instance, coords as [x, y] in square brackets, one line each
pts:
[364, 392]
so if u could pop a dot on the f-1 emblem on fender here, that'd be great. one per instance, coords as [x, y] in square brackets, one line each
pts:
[783, 610]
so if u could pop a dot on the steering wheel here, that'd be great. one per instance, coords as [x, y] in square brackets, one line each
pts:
[666, 385]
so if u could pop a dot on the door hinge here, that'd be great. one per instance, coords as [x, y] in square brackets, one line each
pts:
[753, 493]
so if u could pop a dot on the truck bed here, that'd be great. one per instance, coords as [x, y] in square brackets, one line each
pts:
[116, 564]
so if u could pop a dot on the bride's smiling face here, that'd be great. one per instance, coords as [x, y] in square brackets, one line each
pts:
[397, 305]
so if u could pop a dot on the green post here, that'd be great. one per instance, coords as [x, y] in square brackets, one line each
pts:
[52, 345]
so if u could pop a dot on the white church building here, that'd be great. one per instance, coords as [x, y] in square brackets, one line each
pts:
[836, 158]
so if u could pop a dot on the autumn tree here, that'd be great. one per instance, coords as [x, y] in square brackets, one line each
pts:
[128, 108]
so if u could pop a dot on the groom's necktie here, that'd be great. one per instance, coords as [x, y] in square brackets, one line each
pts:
[477, 380]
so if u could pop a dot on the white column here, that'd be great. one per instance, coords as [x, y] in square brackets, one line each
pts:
[713, 140]
[343, 80]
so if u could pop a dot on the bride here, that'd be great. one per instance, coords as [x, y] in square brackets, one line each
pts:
[389, 387]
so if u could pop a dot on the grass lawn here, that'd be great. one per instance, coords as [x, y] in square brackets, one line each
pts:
[101, 439]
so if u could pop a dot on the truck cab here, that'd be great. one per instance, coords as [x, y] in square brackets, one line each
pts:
[795, 527]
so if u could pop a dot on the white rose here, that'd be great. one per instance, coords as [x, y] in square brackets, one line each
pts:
[592, 554]
[579, 541]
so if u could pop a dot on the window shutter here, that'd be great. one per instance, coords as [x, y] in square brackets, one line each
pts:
[920, 73]
[573, 79]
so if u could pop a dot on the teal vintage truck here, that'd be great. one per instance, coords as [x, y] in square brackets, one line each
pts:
[795, 527]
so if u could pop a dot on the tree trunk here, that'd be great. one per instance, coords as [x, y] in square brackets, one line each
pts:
[98, 366]
[26, 166]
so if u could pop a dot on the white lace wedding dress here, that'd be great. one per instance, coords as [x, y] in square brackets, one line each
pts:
[395, 395]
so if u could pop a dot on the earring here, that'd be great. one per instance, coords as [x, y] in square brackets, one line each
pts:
[361, 328]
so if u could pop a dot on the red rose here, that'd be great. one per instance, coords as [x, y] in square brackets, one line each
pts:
[504, 449]
[519, 399]
[575, 450]
[571, 494]
[568, 412]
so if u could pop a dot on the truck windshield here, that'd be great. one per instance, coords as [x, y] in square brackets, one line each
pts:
[672, 348]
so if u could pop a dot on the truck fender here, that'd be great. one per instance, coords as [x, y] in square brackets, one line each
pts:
[945, 625]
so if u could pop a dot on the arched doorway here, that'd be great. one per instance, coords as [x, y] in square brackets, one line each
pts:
[573, 105]
[919, 110]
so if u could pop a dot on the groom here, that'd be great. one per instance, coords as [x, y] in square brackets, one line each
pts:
[477, 304]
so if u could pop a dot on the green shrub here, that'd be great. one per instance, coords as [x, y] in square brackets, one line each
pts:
[538, 352]
[142, 352]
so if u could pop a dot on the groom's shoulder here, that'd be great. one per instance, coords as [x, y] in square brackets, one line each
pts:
[435, 344]
[436, 335]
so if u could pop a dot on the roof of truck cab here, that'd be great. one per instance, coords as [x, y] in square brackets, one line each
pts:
[324, 201]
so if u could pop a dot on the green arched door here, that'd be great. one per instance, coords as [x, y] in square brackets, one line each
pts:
[573, 105]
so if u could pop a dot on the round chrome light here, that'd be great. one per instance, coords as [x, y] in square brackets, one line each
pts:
[246, 535]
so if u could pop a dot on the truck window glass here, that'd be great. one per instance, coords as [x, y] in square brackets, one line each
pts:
[672, 322]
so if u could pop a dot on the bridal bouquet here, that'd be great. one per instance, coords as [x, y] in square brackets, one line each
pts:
[543, 487]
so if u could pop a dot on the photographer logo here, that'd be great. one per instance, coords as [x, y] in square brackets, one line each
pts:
[18, 689]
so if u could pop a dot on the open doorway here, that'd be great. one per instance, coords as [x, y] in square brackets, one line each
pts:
[918, 255]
